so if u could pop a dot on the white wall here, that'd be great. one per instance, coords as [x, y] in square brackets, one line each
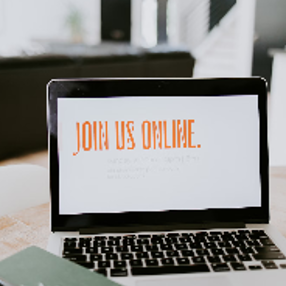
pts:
[277, 112]
[189, 22]
[230, 44]
[24, 21]
[245, 32]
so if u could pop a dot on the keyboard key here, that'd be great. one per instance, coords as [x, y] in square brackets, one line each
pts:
[95, 257]
[127, 256]
[166, 247]
[185, 239]
[72, 239]
[237, 266]
[171, 240]
[137, 248]
[73, 257]
[144, 235]
[227, 237]
[172, 253]
[202, 252]
[91, 250]
[101, 271]
[70, 244]
[182, 261]
[158, 235]
[111, 256]
[229, 258]
[98, 243]
[106, 249]
[220, 267]
[152, 248]
[187, 253]
[269, 256]
[157, 254]
[187, 234]
[232, 250]
[214, 259]
[266, 241]
[114, 237]
[266, 249]
[181, 246]
[118, 272]
[129, 236]
[167, 261]
[151, 262]
[173, 234]
[259, 232]
[143, 241]
[245, 257]
[246, 250]
[85, 264]
[72, 251]
[122, 249]
[128, 241]
[269, 264]
[119, 264]
[224, 244]
[227, 232]
[113, 242]
[238, 243]
[104, 264]
[211, 245]
[142, 255]
[100, 238]
[85, 241]
[199, 239]
[283, 266]
[217, 251]
[198, 259]
[255, 267]
[136, 263]
[241, 236]
[213, 238]
[156, 240]
[169, 269]
[195, 245]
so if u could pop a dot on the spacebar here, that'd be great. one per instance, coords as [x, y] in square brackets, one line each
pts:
[169, 269]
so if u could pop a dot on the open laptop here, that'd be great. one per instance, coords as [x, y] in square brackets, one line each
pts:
[163, 181]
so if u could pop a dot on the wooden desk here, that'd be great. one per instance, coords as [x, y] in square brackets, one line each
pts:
[31, 226]
[24, 228]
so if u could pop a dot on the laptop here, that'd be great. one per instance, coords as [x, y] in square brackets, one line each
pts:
[163, 181]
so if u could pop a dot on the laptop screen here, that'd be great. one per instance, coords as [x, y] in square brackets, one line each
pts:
[157, 153]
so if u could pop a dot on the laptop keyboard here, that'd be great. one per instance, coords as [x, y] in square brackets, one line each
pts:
[171, 253]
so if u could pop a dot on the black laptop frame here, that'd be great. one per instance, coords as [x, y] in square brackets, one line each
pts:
[86, 88]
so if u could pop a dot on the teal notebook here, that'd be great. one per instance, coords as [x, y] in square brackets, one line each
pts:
[36, 267]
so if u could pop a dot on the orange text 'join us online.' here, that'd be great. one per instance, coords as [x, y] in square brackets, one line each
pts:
[95, 135]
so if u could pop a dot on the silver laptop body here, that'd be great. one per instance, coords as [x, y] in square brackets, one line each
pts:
[163, 181]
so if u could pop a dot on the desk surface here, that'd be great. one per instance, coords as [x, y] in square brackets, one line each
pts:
[31, 226]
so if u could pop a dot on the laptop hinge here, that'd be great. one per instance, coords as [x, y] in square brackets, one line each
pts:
[155, 228]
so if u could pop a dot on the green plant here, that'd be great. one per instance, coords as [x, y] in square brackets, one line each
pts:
[74, 21]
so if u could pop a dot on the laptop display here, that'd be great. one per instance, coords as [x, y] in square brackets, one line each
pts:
[156, 153]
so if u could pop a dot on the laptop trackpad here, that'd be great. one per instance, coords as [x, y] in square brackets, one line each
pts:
[198, 281]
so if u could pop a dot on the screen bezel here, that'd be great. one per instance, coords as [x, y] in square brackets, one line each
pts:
[94, 88]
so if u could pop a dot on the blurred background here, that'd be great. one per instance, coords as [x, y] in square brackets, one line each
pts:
[41, 40]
